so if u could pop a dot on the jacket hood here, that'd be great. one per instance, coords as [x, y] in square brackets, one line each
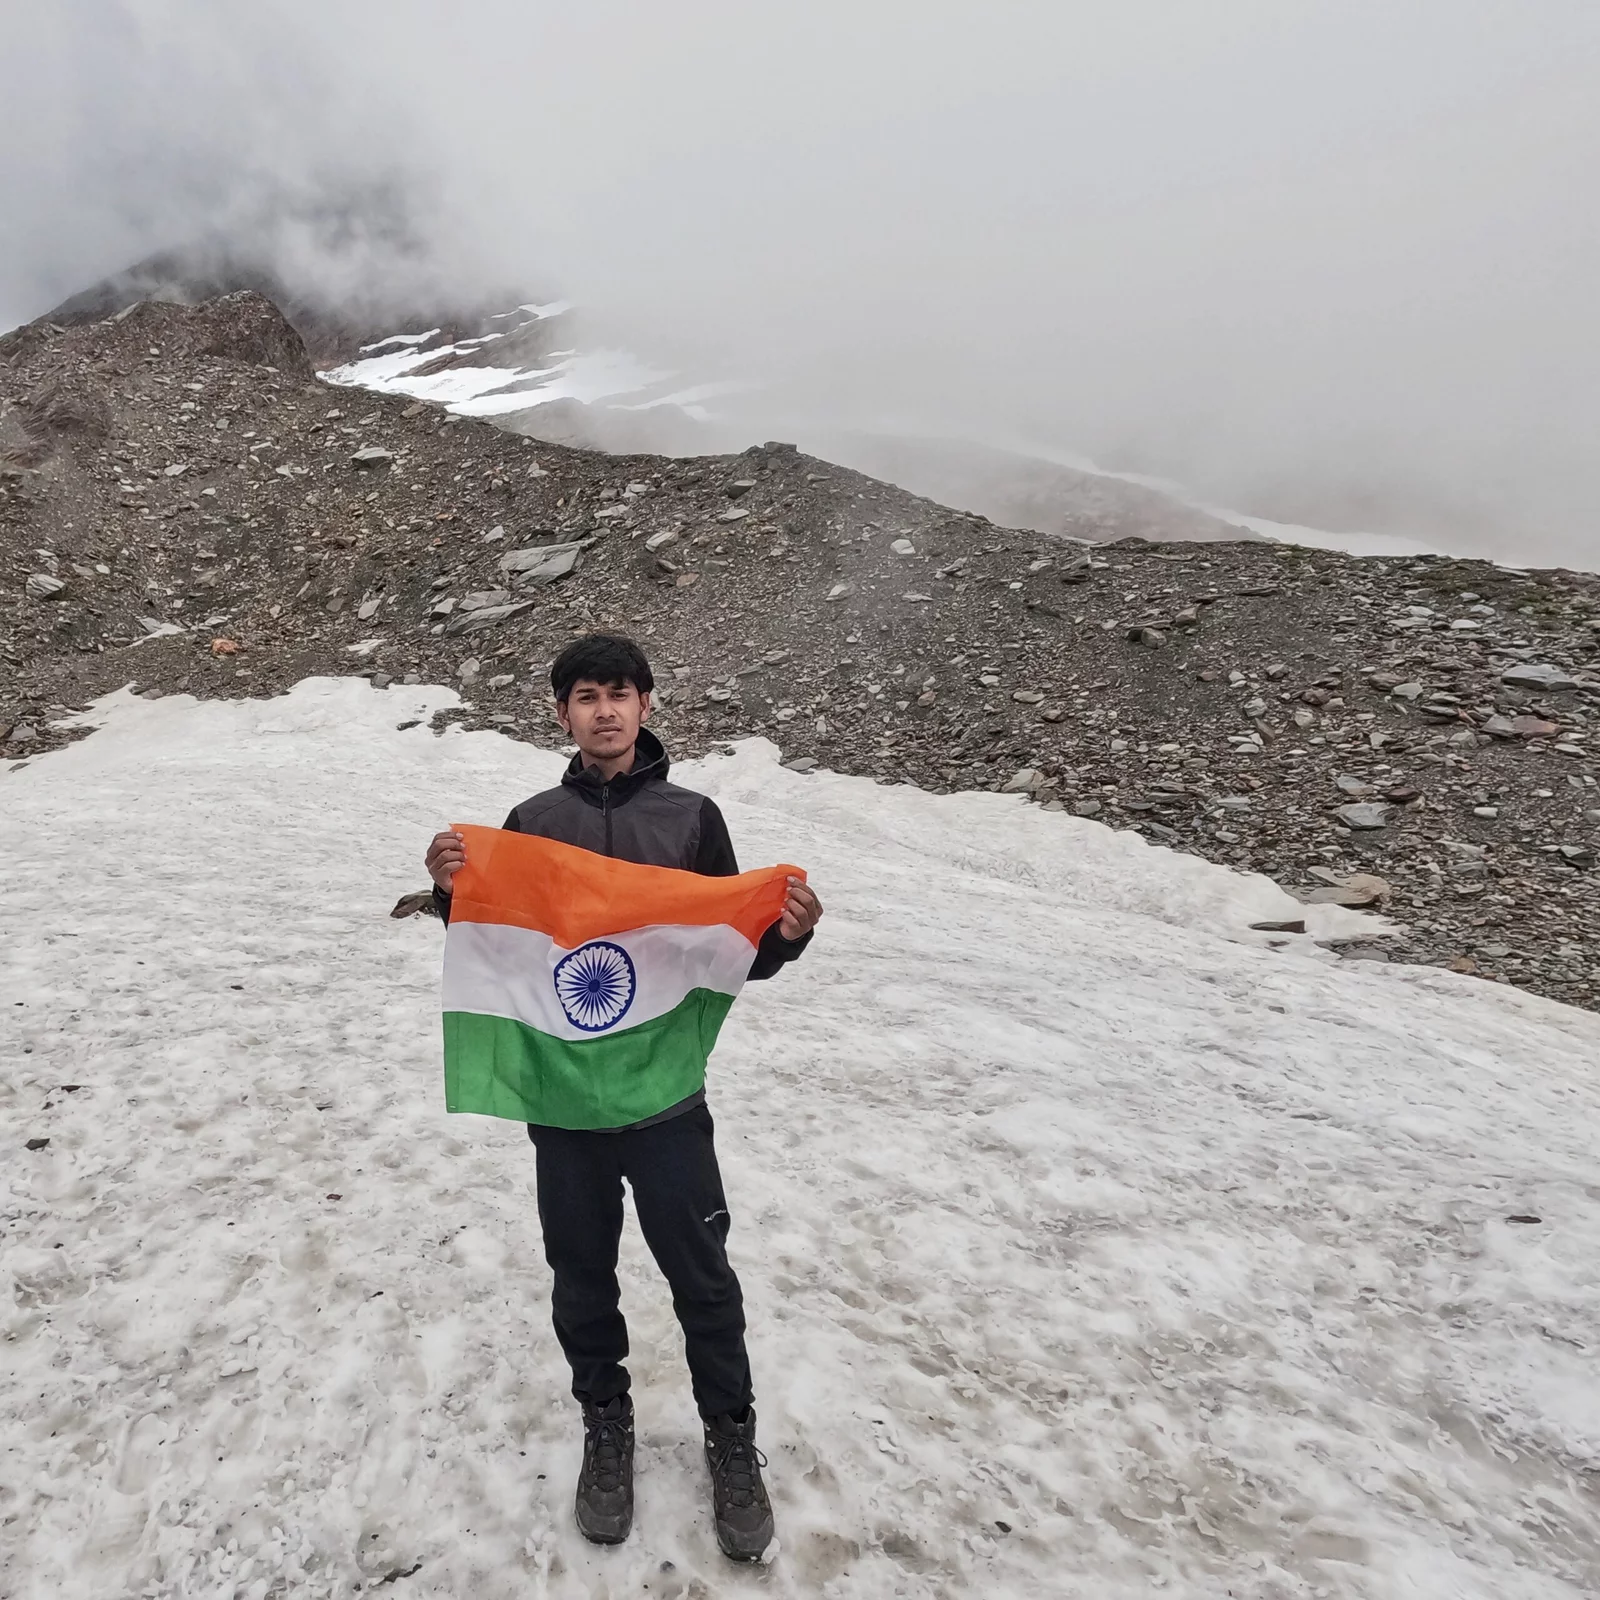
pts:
[650, 763]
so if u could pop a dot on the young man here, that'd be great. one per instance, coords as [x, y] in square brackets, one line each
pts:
[615, 800]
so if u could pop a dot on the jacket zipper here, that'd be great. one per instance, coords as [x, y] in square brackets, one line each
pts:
[605, 811]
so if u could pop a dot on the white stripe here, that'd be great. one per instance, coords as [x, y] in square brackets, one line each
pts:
[501, 971]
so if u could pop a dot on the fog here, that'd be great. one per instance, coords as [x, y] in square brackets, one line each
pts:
[1325, 262]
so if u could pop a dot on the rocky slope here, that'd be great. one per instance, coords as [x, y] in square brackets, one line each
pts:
[184, 505]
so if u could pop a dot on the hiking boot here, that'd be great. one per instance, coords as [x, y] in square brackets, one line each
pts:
[604, 1506]
[738, 1496]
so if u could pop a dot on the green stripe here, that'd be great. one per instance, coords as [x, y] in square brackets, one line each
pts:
[502, 1068]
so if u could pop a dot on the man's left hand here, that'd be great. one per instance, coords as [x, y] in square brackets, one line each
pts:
[801, 912]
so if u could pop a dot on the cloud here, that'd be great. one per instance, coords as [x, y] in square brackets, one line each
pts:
[1327, 261]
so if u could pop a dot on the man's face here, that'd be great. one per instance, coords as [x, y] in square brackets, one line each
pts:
[603, 718]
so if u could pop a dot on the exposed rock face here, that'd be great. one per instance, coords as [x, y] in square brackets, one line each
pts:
[182, 504]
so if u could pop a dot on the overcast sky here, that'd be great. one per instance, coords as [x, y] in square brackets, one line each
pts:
[1306, 257]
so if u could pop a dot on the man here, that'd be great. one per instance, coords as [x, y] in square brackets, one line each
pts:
[615, 800]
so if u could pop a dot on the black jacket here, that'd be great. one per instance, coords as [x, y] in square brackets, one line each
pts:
[639, 816]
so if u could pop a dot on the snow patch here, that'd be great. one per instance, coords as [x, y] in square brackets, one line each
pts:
[1087, 1247]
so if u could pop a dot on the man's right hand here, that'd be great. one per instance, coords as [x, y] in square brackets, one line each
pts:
[447, 855]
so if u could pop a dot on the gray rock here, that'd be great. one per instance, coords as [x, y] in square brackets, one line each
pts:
[1027, 697]
[468, 670]
[444, 606]
[1087, 808]
[543, 564]
[739, 488]
[1498, 726]
[485, 617]
[839, 591]
[1023, 781]
[368, 608]
[371, 456]
[734, 514]
[485, 597]
[1539, 676]
[903, 547]
[802, 764]
[1364, 816]
[44, 587]
[1407, 691]
[659, 541]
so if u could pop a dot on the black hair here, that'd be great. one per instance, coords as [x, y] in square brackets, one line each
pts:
[601, 658]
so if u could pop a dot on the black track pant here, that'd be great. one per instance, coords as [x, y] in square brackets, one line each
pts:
[677, 1193]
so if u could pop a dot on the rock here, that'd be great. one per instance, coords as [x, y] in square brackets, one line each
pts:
[734, 514]
[1279, 927]
[1352, 786]
[1255, 708]
[1407, 691]
[504, 680]
[485, 597]
[415, 905]
[24, 733]
[1364, 816]
[903, 547]
[1498, 727]
[1534, 728]
[1027, 697]
[1487, 812]
[1357, 891]
[1076, 572]
[1023, 781]
[802, 764]
[739, 488]
[176, 470]
[1087, 808]
[485, 617]
[44, 587]
[371, 456]
[468, 670]
[443, 606]
[839, 591]
[1538, 677]
[36, 1144]
[542, 564]
[368, 608]
[659, 541]
[1576, 855]
[1054, 714]
[495, 534]
[1153, 638]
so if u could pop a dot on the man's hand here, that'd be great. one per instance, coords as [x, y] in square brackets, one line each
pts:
[447, 855]
[801, 911]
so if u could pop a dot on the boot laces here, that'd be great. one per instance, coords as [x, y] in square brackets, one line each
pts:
[604, 1447]
[738, 1463]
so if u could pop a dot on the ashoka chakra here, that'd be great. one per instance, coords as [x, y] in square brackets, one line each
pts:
[595, 985]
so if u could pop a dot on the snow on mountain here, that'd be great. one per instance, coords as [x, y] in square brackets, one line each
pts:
[450, 374]
[1093, 1245]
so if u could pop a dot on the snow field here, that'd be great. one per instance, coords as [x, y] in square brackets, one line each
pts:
[1060, 1199]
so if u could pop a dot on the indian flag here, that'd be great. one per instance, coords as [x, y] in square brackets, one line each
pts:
[585, 992]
